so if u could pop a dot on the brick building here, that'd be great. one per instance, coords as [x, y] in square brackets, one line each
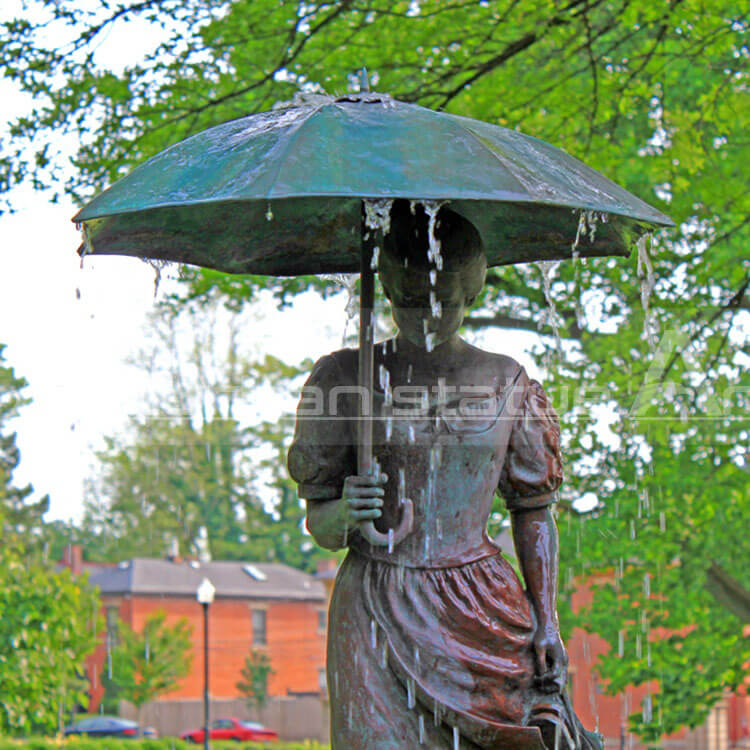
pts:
[266, 606]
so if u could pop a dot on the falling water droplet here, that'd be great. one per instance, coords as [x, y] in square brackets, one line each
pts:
[269, 213]
[373, 634]
[421, 729]
[662, 521]
[410, 700]
[547, 269]
[390, 541]
[433, 277]
[621, 643]
[647, 710]
[384, 377]
[436, 307]
[645, 271]
[378, 214]
[456, 739]
[646, 585]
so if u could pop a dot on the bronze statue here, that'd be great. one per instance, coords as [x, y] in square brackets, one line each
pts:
[433, 641]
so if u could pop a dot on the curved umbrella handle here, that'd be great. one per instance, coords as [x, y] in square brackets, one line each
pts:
[404, 528]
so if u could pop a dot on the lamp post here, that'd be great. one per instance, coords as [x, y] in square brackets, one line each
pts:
[205, 595]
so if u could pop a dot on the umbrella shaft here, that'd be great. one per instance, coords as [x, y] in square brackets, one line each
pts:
[366, 348]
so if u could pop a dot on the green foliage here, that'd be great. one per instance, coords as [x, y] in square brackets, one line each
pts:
[196, 460]
[253, 684]
[47, 630]
[21, 518]
[670, 478]
[651, 94]
[148, 664]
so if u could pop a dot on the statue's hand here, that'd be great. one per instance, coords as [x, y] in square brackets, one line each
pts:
[551, 659]
[363, 498]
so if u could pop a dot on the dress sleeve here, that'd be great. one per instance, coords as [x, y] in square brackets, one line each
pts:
[323, 451]
[532, 471]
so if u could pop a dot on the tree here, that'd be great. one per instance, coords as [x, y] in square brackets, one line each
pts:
[22, 518]
[648, 93]
[198, 459]
[253, 684]
[148, 664]
[47, 630]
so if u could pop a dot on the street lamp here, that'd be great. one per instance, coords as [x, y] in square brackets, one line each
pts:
[205, 595]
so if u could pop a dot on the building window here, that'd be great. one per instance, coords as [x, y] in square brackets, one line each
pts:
[259, 627]
[112, 617]
[322, 620]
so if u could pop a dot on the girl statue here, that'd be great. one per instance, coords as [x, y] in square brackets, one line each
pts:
[434, 642]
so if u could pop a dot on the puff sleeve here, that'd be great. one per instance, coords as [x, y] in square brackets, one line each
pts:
[323, 452]
[532, 471]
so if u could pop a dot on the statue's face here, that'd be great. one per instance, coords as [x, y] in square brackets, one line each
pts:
[412, 295]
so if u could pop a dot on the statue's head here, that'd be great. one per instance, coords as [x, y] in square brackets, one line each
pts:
[405, 271]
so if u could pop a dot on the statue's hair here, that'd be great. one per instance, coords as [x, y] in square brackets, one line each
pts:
[461, 247]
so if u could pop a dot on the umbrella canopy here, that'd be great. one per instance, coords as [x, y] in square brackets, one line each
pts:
[280, 192]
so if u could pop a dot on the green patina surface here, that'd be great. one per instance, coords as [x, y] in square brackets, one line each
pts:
[280, 192]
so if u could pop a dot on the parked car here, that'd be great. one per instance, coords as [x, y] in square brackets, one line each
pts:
[108, 726]
[232, 729]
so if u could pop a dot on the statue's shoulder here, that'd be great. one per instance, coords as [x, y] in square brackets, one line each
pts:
[499, 366]
[339, 365]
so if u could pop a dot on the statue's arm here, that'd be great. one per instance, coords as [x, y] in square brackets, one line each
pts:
[332, 521]
[536, 542]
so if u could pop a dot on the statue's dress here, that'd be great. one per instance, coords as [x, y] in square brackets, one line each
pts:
[429, 644]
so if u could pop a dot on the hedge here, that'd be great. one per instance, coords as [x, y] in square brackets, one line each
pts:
[165, 743]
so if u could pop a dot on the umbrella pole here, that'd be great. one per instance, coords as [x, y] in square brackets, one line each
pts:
[366, 349]
[365, 463]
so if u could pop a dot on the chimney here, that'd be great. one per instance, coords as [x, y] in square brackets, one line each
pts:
[174, 550]
[73, 558]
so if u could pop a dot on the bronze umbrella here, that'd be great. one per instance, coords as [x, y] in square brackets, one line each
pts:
[284, 193]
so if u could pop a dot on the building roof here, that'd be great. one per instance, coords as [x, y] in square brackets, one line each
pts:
[143, 575]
